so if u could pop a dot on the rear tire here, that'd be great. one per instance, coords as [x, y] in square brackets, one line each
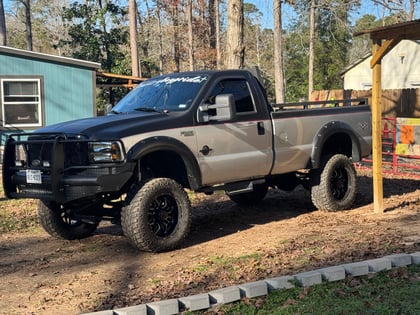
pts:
[252, 197]
[334, 184]
[62, 223]
[158, 216]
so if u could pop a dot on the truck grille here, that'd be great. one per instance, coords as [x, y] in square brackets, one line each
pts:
[37, 152]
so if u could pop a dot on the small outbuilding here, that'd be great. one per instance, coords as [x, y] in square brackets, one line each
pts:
[38, 89]
[401, 69]
[384, 39]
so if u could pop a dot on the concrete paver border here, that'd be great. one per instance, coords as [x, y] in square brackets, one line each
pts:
[262, 287]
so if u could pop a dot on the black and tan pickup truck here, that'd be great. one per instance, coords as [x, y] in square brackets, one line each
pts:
[199, 131]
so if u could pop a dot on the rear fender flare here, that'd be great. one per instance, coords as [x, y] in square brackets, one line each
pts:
[325, 133]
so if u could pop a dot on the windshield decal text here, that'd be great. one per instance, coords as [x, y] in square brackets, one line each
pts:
[168, 80]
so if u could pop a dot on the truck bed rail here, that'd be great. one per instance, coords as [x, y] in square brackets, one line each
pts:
[320, 104]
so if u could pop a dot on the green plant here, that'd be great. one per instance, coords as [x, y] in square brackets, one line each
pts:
[155, 281]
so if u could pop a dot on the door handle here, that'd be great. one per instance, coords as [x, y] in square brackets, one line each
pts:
[260, 128]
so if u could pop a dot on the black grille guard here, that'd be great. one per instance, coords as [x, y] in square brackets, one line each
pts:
[52, 175]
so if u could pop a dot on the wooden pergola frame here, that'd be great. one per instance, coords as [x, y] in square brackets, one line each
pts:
[383, 40]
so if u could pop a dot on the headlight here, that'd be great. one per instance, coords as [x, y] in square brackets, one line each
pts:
[105, 152]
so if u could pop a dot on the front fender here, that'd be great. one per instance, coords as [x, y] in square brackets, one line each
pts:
[163, 143]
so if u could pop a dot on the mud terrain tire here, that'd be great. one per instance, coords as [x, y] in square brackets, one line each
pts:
[158, 215]
[61, 223]
[334, 184]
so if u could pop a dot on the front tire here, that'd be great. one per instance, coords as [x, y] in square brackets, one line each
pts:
[158, 216]
[61, 222]
[334, 185]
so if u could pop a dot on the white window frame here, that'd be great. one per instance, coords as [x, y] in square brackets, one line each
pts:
[37, 102]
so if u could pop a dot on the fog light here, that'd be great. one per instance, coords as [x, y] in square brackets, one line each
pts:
[20, 163]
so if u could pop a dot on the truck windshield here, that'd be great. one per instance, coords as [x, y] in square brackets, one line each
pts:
[162, 94]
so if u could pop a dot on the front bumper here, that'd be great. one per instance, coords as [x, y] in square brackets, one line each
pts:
[63, 173]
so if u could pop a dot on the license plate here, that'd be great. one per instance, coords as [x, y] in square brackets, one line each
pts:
[33, 177]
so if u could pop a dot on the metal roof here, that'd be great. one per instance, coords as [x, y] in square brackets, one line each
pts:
[48, 57]
[405, 30]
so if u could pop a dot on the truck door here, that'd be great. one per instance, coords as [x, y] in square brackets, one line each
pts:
[238, 149]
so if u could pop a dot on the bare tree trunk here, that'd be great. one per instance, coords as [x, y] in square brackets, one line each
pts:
[411, 12]
[3, 40]
[212, 23]
[218, 46]
[144, 34]
[135, 69]
[28, 23]
[103, 24]
[278, 52]
[212, 20]
[258, 40]
[160, 39]
[190, 35]
[311, 49]
[235, 35]
[175, 24]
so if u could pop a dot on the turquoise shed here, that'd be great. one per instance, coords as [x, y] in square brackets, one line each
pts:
[38, 89]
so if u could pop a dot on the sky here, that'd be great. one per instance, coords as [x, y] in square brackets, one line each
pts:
[367, 7]
[266, 8]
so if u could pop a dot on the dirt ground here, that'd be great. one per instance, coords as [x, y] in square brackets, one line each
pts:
[228, 245]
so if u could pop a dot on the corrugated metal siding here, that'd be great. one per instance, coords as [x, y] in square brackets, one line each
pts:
[67, 90]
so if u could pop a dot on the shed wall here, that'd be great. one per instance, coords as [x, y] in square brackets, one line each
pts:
[68, 91]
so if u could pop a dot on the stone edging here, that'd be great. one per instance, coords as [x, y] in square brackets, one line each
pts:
[262, 287]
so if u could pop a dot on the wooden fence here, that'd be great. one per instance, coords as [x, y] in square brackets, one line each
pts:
[395, 103]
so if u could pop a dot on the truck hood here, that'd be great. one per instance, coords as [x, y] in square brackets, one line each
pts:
[119, 125]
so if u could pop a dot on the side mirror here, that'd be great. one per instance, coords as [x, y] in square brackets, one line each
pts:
[222, 110]
[107, 109]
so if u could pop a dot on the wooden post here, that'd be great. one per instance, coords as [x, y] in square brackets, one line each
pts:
[377, 130]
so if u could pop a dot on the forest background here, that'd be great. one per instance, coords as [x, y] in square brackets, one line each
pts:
[315, 37]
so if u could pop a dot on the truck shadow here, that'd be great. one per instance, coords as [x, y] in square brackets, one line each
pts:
[216, 216]
[214, 219]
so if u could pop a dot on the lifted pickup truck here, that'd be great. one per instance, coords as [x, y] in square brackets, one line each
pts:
[201, 131]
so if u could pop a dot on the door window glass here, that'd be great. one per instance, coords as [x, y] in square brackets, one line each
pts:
[239, 88]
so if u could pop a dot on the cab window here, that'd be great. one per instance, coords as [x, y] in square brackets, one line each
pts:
[240, 89]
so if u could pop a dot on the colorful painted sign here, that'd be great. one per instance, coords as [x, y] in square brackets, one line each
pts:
[408, 136]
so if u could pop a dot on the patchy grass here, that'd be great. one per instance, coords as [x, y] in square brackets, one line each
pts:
[229, 267]
[388, 292]
[17, 215]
